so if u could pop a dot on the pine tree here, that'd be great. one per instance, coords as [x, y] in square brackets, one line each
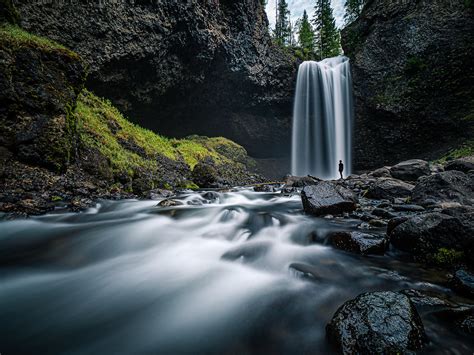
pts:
[353, 10]
[305, 35]
[327, 36]
[282, 26]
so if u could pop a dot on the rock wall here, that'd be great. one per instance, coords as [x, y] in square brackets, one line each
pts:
[180, 67]
[39, 84]
[413, 73]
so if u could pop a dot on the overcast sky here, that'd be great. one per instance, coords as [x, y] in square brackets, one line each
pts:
[298, 6]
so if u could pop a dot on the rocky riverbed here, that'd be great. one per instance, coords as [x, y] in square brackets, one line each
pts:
[376, 263]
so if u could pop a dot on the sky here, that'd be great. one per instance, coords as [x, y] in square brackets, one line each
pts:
[298, 6]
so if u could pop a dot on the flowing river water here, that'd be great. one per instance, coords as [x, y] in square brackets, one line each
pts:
[240, 272]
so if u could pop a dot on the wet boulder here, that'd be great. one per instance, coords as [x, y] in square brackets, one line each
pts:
[381, 172]
[327, 198]
[377, 323]
[463, 283]
[394, 222]
[447, 186]
[361, 243]
[410, 170]
[387, 188]
[429, 232]
[465, 164]
[300, 181]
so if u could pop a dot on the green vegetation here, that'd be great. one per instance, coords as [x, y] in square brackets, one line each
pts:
[18, 38]
[447, 257]
[130, 148]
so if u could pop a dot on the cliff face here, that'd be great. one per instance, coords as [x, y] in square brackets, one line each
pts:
[39, 84]
[413, 73]
[180, 68]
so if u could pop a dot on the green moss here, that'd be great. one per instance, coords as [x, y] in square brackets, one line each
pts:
[101, 126]
[18, 38]
[56, 198]
[189, 185]
[447, 257]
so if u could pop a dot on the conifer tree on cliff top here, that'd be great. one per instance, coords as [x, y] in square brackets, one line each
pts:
[283, 26]
[327, 36]
[305, 36]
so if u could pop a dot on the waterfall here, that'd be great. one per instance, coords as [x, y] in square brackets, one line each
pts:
[323, 119]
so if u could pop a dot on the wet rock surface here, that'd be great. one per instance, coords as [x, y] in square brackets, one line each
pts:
[429, 232]
[327, 198]
[361, 243]
[388, 188]
[377, 323]
[410, 170]
[448, 186]
[463, 282]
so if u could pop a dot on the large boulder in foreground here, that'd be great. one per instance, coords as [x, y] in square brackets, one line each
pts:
[410, 170]
[387, 188]
[447, 186]
[429, 232]
[327, 198]
[464, 164]
[360, 243]
[377, 323]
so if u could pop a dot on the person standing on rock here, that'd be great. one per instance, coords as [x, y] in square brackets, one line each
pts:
[341, 168]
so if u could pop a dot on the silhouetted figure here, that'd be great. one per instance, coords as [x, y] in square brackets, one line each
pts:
[341, 168]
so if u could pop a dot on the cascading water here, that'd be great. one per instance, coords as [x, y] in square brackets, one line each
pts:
[323, 118]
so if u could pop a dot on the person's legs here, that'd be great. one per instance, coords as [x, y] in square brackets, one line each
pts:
[341, 174]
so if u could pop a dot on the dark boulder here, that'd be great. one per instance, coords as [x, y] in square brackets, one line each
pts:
[300, 181]
[394, 222]
[429, 232]
[381, 172]
[387, 188]
[465, 164]
[377, 323]
[452, 186]
[361, 243]
[463, 283]
[205, 175]
[327, 198]
[410, 170]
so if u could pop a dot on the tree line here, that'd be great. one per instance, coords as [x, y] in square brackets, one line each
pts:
[315, 38]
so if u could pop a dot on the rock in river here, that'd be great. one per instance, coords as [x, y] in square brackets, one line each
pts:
[410, 170]
[327, 198]
[386, 188]
[451, 186]
[463, 283]
[377, 323]
[429, 232]
[361, 243]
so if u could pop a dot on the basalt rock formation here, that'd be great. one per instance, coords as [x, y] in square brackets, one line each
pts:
[180, 67]
[413, 72]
